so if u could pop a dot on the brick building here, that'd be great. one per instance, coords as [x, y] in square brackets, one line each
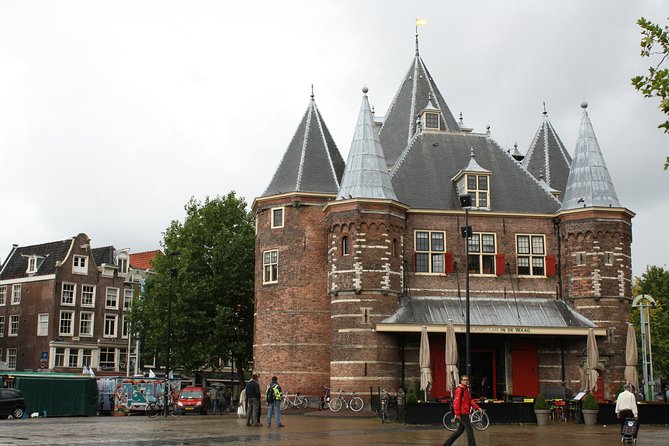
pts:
[354, 258]
[63, 306]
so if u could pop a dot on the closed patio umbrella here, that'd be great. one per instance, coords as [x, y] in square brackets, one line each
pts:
[452, 376]
[631, 358]
[424, 362]
[591, 362]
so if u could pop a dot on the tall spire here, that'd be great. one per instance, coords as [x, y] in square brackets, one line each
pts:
[589, 181]
[366, 174]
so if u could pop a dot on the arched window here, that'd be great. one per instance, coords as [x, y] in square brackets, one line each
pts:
[395, 248]
[344, 245]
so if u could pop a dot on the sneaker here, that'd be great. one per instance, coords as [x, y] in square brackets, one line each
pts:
[281, 425]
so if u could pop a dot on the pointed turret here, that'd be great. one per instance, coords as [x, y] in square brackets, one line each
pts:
[413, 96]
[589, 181]
[312, 162]
[548, 155]
[366, 174]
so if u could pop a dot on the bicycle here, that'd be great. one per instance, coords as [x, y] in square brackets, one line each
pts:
[355, 403]
[298, 401]
[388, 412]
[155, 408]
[479, 420]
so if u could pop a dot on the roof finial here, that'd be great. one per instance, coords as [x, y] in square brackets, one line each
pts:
[584, 105]
[419, 22]
[312, 91]
[461, 122]
[471, 152]
[545, 112]
[365, 89]
[373, 111]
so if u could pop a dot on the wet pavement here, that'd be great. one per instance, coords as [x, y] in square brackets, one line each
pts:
[300, 430]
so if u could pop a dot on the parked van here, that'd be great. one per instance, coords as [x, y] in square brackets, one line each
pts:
[193, 400]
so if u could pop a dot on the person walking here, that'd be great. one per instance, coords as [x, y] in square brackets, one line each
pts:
[252, 391]
[213, 399]
[462, 404]
[626, 407]
[274, 397]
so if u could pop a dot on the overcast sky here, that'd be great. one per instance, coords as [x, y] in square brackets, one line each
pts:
[114, 113]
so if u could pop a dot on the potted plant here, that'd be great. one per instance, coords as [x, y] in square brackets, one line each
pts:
[590, 409]
[541, 410]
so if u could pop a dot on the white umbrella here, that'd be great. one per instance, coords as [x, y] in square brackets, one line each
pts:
[452, 375]
[631, 357]
[424, 362]
[591, 362]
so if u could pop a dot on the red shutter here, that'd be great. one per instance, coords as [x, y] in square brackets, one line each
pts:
[448, 262]
[500, 264]
[551, 266]
[414, 262]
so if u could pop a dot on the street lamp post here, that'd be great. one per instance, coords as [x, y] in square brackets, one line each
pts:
[168, 336]
[644, 302]
[466, 203]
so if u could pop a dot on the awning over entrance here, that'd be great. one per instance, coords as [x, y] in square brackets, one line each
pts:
[489, 315]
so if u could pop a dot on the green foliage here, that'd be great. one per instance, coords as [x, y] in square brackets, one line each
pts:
[655, 42]
[413, 391]
[655, 282]
[540, 402]
[589, 402]
[212, 302]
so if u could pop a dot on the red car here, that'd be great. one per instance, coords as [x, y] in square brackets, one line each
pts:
[193, 400]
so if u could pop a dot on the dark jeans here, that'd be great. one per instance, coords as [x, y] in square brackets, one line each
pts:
[252, 410]
[464, 426]
[624, 414]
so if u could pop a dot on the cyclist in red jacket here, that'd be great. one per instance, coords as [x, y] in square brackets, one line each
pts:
[462, 404]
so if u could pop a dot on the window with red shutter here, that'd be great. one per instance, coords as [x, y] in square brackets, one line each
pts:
[551, 266]
[500, 264]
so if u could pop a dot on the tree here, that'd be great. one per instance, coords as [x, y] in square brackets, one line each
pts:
[212, 302]
[655, 42]
[655, 282]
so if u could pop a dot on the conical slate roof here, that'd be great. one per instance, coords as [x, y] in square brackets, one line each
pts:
[366, 174]
[423, 176]
[312, 162]
[414, 94]
[589, 181]
[547, 156]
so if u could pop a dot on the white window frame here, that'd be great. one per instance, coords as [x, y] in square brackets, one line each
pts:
[123, 264]
[16, 294]
[530, 252]
[282, 212]
[80, 264]
[12, 356]
[32, 264]
[345, 245]
[608, 258]
[482, 255]
[3, 295]
[108, 350]
[433, 253]
[91, 324]
[14, 321]
[61, 319]
[92, 303]
[62, 353]
[107, 328]
[70, 353]
[128, 294]
[71, 300]
[107, 294]
[580, 258]
[2, 326]
[85, 356]
[43, 324]
[477, 193]
[426, 119]
[270, 270]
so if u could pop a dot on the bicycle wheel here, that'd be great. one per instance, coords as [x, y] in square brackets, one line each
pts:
[480, 421]
[335, 404]
[391, 414]
[285, 403]
[356, 404]
[451, 422]
[302, 403]
[173, 410]
[152, 410]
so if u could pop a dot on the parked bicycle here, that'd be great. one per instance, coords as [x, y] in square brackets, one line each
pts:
[324, 402]
[479, 419]
[298, 401]
[388, 412]
[355, 403]
[155, 407]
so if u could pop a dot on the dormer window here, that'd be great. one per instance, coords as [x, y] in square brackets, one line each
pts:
[478, 187]
[32, 264]
[431, 121]
[80, 265]
[123, 265]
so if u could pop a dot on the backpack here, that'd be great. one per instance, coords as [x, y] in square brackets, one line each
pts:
[273, 394]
